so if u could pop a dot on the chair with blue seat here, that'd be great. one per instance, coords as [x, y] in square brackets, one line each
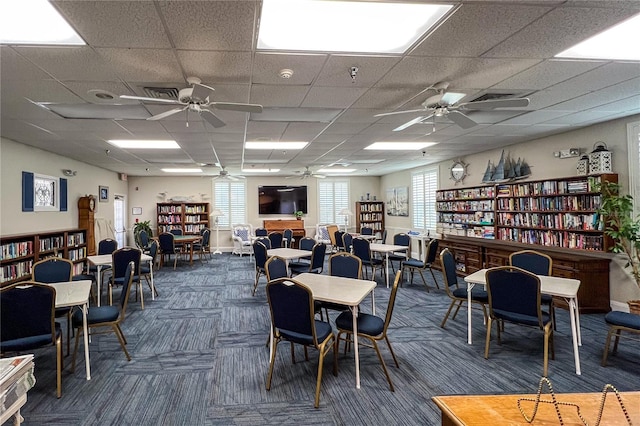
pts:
[261, 232]
[362, 249]
[105, 246]
[383, 238]
[430, 256]
[306, 243]
[241, 235]
[264, 240]
[339, 241]
[106, 316]
[276, 239]
[260, 256]
[168, 248]
[619, 322]
[287, 238]
[146, 267]
[142, 241]
[121, 259]
[347, 242]
[365, 230]
[458, 295]
[514, 297]
[539, 264]
[372, 328]
[27, 321]
[400, 239]
[317, 261]
[275, 268]
[199, 247]
[293, 319]
[345, 265]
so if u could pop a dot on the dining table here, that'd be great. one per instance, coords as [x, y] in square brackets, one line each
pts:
[102, 260]
[187, 240]
[564, 288]
[76, 293]
[344, 291]
[386, 249]
[287, 254]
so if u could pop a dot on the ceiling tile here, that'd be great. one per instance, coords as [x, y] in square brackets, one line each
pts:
[143, 64]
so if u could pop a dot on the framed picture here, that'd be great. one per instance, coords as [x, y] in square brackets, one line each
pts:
[136, 211]
[398, 201]
[103, 193]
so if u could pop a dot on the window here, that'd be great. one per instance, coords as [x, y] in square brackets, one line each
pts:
[423, 189]
[333, 196]
[633, 138]
[45, 193]
[230, 198]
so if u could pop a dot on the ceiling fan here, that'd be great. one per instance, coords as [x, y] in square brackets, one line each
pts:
[223, 174]
[438, 106]
[306, 174]
[197, 98]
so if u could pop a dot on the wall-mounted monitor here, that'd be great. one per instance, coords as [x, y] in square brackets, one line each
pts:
[282, 199]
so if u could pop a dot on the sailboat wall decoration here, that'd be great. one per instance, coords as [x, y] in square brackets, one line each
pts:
[506, 170]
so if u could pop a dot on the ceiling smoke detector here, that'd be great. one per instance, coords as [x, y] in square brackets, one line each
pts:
[285, 73]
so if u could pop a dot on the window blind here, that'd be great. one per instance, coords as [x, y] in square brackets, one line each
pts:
[333, 196]
[423, 189]
[230, 198]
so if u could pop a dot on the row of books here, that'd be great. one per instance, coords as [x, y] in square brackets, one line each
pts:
[465, 205]
[461, 194]
[552, 203]
[195, 209]
[170, 209]
[15, 270]
[551, 187]
[167, 228]
[194, 219]
[51, 243]
[77, 254]
[16, 249]
[585, 222]
[564, 239]
[194, 229]
[371, 207]
[169, 219]
[370, 216]
[481, 218]
[75, 239]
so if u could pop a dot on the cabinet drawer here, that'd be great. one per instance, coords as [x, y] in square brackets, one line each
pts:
[563, 273]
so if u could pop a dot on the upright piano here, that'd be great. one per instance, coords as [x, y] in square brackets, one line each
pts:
[279, 225]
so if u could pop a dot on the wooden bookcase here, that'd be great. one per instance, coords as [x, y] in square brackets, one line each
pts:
[370, 214]
[467, 212]
[191, 218]
[19, 252]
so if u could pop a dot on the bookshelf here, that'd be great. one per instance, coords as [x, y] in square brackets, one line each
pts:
[19, 252]
[191, 218]
[467, 212]
[370, 214]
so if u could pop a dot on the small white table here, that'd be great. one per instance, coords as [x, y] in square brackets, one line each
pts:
[565, 288]
[101, 260]
[386, 249]
[345, 291]
[76, 293]
[422, 238]
[288, 254]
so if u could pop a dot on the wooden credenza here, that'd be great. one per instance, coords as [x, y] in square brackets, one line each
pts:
[279, 225]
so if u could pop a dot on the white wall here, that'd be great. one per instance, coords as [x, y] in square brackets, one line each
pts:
[16, 158]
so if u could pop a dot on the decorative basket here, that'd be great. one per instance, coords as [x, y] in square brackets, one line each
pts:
[634, 306]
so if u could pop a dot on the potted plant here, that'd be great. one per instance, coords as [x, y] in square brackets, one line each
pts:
[298, 214]
[624, 230]
[141, 226]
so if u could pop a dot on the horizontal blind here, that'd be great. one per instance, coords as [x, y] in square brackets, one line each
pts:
[230, 198]
[423, 189]
[333, 196]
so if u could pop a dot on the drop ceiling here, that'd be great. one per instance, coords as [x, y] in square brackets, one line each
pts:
[481, 47]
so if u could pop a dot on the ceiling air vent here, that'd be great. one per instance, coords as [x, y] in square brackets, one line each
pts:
[489, 96]
[161, 92]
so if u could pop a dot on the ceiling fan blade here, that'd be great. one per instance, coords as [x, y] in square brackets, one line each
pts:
[461, 120]
[166, 114]
[319, 176]
[201, 92]
[211, 118]
[232, 106]
[496, 103]
[410, 123]
[142, 98]
[384, 114]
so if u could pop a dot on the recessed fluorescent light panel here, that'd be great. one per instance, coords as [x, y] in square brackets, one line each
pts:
[182, 170]
[399, 146]
[144, 144]
[336, 170]
[34, 22]
[345, 26]
[616, 43]
[260, 170]
[274, 145]
[451, 98]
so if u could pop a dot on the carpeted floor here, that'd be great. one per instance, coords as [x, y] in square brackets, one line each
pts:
[199, 358]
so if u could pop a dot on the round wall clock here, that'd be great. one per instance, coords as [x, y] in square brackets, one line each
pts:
[458, 171]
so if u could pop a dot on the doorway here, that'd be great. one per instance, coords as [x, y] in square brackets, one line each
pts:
[119, 222]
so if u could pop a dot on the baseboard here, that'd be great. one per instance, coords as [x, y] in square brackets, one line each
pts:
[619, 306]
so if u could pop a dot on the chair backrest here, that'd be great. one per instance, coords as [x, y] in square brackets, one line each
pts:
[392, 299]
[260, 253]
[317, 257]
[143, 237]
[276, 267]
[206, 236]
[121, 259]
[448, 263]
[402, 239]
[513, 290]
[176, 231]
[331, 231]
[264, 240]
[276, 239]
[307, 243]
[337, 237]
[126, 289]
[243, 231]
[532, 261]
[167, 243]
[362, 249]
[347, 242]
[383, 239]
[203, 230]
[292, 309]
[288, 235]
[261, 232]
[365, 230]
[107, 246]
[431, 252]
[345, 265]
[27, 309]
[52, 270]
[153, 250]
[322, 234]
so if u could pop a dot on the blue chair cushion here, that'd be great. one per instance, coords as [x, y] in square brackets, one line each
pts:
[299, 265]
[370, 325]
[96, 315]
[414, 263]
[94, 268]
[623, 319]
[120, 280]
[81, 277]
[145, 269]
[476, 294]
[243, 233]
[324, 233]
[28, 343]
[520, 318]
[323, 329]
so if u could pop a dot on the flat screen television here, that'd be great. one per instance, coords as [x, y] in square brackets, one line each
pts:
[282, 199]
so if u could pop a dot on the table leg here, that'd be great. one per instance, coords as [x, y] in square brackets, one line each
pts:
[469, 288]
[574, 333]
[386, 265]
[153, 286]
[373, 301]
[578, 321]
[99, 282]
[85, 308]
[354, 310]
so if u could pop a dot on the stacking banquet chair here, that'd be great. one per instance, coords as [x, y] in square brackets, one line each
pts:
[206, 248]
[619, 322]
[401, 239]
[275, 268]
[458, 295]
[260, 255]
[539, 264]
[27, 321]
[430, 256]
[514, 296]
[177, 232]
[261, 232]
[55, 270]
[241, 235]
[306, 243]
[106, 316]
[264, 240]
[287, 238]
[293, 319]
[339, 241]
[383, 238]
[106, 246]
[371, 327]
[145, 268]
[347, 242]
[345, 265]
[199, 247]
[365, 230]
[121, 259]
[276, 239]
[143, 241]
[362, 249]
[168, 248]
[317, 261]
